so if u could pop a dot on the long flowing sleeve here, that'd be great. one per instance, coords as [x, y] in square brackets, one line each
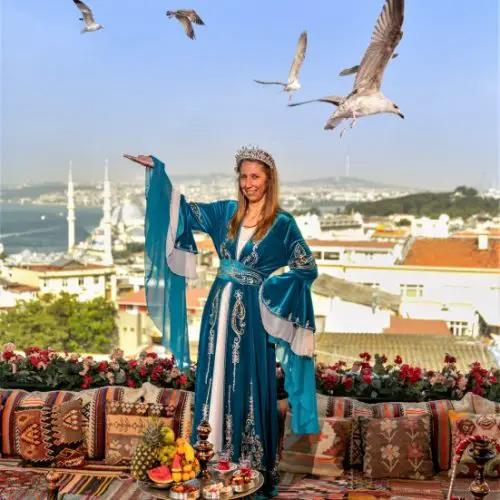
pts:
[170, 256]
[288, 317]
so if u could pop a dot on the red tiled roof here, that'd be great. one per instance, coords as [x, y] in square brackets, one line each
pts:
[351, 244]
[417, 326]
[193, 298]
[492, 233]
[453, 252]
[19, 288]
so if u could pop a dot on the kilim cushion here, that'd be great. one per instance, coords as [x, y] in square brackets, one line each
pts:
[51, 434]
[467, 424]
[320, 454]
[397, 447]
[438, 410]
[484, 406]
[9, 400]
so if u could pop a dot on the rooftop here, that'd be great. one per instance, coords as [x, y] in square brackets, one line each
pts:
[351, 244]
[409, 326]
[453, 252]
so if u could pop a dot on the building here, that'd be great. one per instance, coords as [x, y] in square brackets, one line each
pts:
[375, 253]
[87, 281]
[11, 292]
[136, 329]
[450, 279]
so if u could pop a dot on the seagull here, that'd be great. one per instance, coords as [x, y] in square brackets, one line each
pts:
[293, 75]
[88, 18]
[366, 98]
[186, 18]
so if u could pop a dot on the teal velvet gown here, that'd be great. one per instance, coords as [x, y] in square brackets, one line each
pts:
[263, 318]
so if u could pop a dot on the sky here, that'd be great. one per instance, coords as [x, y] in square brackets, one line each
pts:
[141, 86]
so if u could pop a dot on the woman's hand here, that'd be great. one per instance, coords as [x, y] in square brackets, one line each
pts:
[145, 161]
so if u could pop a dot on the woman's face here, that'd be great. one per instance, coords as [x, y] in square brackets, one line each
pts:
[253, 180]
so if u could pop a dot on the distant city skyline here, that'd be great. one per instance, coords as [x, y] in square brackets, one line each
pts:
[141, 86]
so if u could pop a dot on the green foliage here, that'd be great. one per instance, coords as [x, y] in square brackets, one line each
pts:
[403, 223]
[61, 322]
[466, 204]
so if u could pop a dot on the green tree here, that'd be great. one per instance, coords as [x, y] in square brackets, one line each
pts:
[61, 322]
[403, 223]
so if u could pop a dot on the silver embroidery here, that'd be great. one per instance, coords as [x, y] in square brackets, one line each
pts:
[205, 412]
[252, 259]
[251, 446]
[211, 332]
[238, 324]
[224, 251]
[229, 448]
[300, 259]
[242, 277]
[196, 212]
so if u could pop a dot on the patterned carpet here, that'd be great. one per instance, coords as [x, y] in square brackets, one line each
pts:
[17, 483]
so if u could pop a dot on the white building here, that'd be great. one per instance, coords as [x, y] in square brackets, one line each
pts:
[451, 279]
[424, 227]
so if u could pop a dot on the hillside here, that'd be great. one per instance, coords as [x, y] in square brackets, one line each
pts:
[463, 202]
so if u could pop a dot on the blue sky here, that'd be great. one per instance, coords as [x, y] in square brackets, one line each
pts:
[140, 85]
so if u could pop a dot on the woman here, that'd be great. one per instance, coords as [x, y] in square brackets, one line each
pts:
[250, 317]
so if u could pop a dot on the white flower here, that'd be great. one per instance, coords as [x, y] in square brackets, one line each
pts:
[390, 451]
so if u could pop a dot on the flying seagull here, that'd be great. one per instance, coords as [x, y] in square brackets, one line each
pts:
[293, 75]
[186, 18]
[88, 18]
[366, 98]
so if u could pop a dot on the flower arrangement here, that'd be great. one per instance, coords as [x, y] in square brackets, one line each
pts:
[372, 377]
[71, 371]
[376, 378]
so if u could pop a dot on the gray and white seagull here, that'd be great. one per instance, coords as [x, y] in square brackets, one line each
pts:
[186, 18]
[366, 98]
[88, 18]
[293, 75]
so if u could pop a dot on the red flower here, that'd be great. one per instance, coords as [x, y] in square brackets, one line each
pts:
[87, 380]
[450, 359]
[34, 361]
[102, 366]
[493, 379]
[130, 382]
[183, 379]
[367, 378]
[8, 355]
[398, 360]
[366, 356]
[347, 382]
[151, 355]
[132, 364]
[143, 371]
[383, 359]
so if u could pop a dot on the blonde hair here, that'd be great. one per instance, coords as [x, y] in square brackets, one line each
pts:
[269, 211]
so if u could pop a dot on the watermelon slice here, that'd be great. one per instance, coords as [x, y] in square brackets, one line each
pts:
[160, 475]
[177, 463]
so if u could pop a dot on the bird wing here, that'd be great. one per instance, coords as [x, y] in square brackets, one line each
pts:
[191, 15]
[355, 69]
[300, 52]
[88, 18]
[269, 83]
[188, 27]
[386, 36]
[332, 99]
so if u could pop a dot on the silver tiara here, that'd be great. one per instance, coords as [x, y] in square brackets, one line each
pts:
[253, 153]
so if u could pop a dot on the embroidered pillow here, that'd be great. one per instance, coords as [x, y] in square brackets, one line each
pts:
[398, 448]
[321, 454]
[51, 435]
[484, 406]
[467, 424]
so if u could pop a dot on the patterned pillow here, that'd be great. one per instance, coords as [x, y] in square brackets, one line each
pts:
[51, 434]
[398, 448]
[466, 424]
[484, 406]
[321, 454]
[9, 401]
[329, 406]
[126, 423]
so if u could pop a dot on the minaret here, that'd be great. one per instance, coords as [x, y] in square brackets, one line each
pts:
[71, 210]
[106, 220]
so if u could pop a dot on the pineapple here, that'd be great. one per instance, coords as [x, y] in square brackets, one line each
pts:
[146, 454]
